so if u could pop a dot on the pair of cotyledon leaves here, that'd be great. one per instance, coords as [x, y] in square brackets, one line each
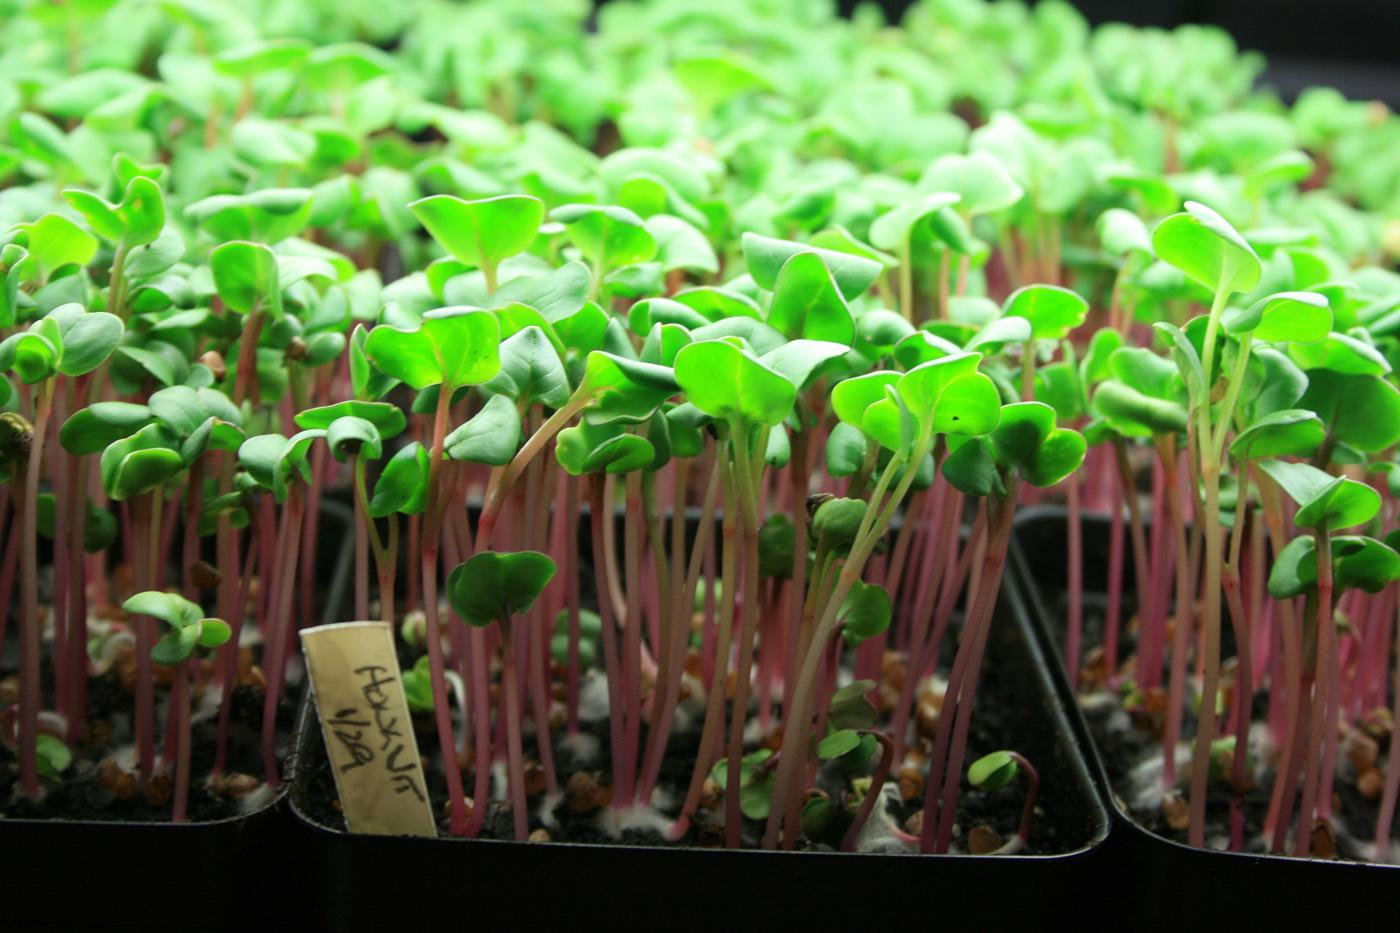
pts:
[188, 629]
[1326, 503]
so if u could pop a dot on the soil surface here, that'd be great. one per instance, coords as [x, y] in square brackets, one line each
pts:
[1000, 720]
[82, 796]
[1132, 755]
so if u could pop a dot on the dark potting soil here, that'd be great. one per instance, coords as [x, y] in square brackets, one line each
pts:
[1132, 753]
[81, 796]
[997, 722]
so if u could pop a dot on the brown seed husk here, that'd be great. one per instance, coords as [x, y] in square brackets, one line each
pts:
[911, 784]
[116, 779]
[1324, 843]
[159, 789]
[1176, 810]
[1370, 783]
[534, 779]
[983, 840]
[583, 792]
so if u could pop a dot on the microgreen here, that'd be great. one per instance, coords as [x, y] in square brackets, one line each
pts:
[754, 281]
[187, 631]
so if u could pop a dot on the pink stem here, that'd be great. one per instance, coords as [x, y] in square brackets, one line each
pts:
[510, 689]
[180, 698]
[1113, 615]
[481, 715]
[1075, 544]
[143, 527]
[598, 516]
[571, 583]
[633, 533]
[1385, 818]
[872, 793]
[274, 669]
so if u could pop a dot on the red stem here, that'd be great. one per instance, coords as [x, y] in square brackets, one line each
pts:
[598, 516]
[30, 700]
[1321, 722]
[1074, 633]
[571, 583]
[181, 699]
[633, 541]
[872, 794]
[144, 524]
[511, 692]
[1386, 816]
[77, 658]
[432, 533]
[999, 537]
[1113, 614]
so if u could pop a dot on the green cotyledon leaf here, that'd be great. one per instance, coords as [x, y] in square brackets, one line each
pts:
[727, 382]
[494, 586]
[1204, 245]
[453, 347]
[484, 232]
[1323, 500]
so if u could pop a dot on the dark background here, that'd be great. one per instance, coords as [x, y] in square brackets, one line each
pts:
[1353, 45]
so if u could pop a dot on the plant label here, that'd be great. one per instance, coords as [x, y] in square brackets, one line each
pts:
[368, 730]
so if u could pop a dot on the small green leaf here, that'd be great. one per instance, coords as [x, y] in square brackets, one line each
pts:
[1202, 244]
[799, 361]
[1290, 432]
[493, 586]
[1323, 499]
[865, 613]
[1358, 562]
[608, 236]
[352, 436]
[176, 646]
[766, 258]
[139, 464]
[1361, 411]
[452, 347]
[403, 485]
[171, 608]
[89, 430]
[491, 436]
[728, 383]
[993, 772]
[1136, 414]
[213, 633]
[892, 230]
[971, 468]
[268, 215]
[1298, 317]
[246, 277]
[1060, 455]
[531, 370]
[1122, 233]
[1023, 427]
[88, 341]
[807, 303]
[850, 707]
[950, 396]
[54, 241]
[837, 744]
[481, 233]
[53, 756]
[1053, 311]
[388, 419]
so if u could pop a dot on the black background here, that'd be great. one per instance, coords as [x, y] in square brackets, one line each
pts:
[1353, 45]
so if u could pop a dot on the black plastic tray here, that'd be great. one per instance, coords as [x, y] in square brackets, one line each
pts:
[353, 876]
[1161, 882]
[190, 876]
